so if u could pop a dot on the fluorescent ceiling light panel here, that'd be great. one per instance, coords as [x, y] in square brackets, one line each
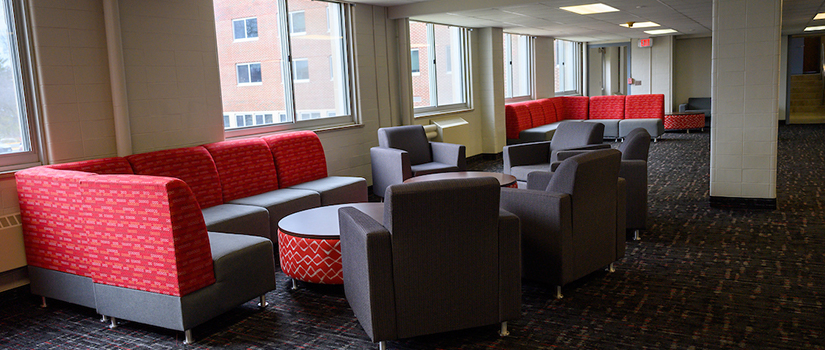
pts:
[640, 25]
[589, 9]
[811, 29]
[820, 15]
[660, 31]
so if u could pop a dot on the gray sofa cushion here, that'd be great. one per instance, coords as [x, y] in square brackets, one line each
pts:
[540, 133]
[337, 189]
[236, 218]
[611, 127]
[520, 172]
[654, 126]
[279, 203]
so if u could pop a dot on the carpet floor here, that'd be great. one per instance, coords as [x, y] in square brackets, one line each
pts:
[700, 278]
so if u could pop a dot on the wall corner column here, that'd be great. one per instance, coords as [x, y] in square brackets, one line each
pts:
[117, 77]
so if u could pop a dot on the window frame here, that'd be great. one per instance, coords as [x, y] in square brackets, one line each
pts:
[345, 22]
[23, 70]
[246, 37]
[577, 68]
[527, 61]
[466, 83]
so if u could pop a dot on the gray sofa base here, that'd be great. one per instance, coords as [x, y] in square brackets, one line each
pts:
[654, 126]
[62, 286]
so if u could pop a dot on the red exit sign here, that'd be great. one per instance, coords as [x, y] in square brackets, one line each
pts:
[645, 42]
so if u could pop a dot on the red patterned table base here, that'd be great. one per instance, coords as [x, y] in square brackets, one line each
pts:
[684, 121]
[311, 260]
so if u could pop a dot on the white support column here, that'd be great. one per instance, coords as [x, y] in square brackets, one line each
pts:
[117, 78]
[744, 90]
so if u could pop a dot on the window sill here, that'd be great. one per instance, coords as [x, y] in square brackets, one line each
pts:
[442, 112]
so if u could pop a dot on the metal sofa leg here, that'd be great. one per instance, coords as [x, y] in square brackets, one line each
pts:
[382, 345]
[558, 292]
[113, 323]
[504, 332]
[187, 337]
[610, 268]
[635, 235]
[104, 318]
[262, 302]
[294, 285]
[43, 302]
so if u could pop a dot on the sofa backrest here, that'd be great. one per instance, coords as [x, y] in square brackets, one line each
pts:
[574, 107]
[299, 157]
[114, 165]
[517, 118]
[50, 206]
[698, 102]
[607, 107]
[146, 233]
[550, 113]
[645, 106]
[245, 167]
[537, 114]
[193, 165]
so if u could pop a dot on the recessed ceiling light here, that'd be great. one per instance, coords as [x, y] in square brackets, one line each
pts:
[589, 9]
[811, 29]
[660, 31]
[820, 15]
[639, 24]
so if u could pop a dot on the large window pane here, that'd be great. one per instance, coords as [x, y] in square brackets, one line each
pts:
[441, 80]
[15, 138]
[450, 85]
[568, 67]
[517, 77]
[419, 52]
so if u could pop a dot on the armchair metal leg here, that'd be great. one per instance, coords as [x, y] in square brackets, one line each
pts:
[382, 345]
[113, 323]
[262, 302]
[504, 332]
[187, 337]
[558, 292]
[43, 302]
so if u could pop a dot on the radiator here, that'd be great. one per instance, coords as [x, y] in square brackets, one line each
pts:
[12, 252]
[452, 130]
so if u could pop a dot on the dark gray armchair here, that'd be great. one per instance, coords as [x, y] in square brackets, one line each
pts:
[697, 105]
[574, 226]
[405, 151]
[445, 258]
[521, 159]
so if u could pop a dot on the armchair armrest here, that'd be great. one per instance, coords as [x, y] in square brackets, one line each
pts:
[450, 153]
[366, 256]
[525, 154]
[546, 226]
[538, 180]
[389, 166]
[509, 255]
[562, 154]
[683, 107]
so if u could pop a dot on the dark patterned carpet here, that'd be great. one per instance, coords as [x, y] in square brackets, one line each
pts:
[700, 278]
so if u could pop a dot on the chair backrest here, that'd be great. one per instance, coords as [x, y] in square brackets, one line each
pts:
[591, 180]
[411, 138]
[577, 134]
[444, 243]
[636, 145]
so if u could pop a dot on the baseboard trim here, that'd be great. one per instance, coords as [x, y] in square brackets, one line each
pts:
[742, 203]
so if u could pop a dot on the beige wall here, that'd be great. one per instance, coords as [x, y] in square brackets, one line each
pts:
[691, 68]
[653, 66]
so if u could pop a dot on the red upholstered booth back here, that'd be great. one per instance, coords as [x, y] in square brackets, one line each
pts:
[607, 107]
[245, 167]
[575, 107]
[550, 113]
[193, 165]
[114, 165]
[517, 118]
[147, 233]
[537, 115]
[645, 106]
[50, 206]
[299, 157]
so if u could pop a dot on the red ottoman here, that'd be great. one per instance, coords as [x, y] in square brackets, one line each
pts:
[684, 121]
[309, 245]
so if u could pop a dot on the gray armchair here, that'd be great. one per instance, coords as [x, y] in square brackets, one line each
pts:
[576, 225]
[697, 105]
[405, 151]
[521, 159]
[445, 258]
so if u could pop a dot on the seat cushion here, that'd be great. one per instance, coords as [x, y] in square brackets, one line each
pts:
[432, 168]
[234, 218]
[280, 203]
[520, 172]
[540, 133]
[338, 189]
[611, 127]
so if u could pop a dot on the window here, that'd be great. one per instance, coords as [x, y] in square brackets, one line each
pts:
[301, 69]
[297, 23]
[249, 73]
[568, 67]
[246, 28]
[517, 64]
[439, 84]
[290, 58]
[18, 146]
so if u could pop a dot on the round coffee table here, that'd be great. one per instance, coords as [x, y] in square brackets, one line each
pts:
[504, 180]
[309, 244]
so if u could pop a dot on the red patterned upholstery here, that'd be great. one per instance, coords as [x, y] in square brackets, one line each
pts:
[550, 115]
[299, 157]
[537, 116]
[517, 118]
[684, 121]
[50, 202]
[645, 106]
[607, 107]
[114, 165]
[147, 233]
[193, 165]
[311, 260]
[575, 107]
[245, 167]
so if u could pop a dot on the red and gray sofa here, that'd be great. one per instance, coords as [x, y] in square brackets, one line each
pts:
[537, 120]
[171, 238]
